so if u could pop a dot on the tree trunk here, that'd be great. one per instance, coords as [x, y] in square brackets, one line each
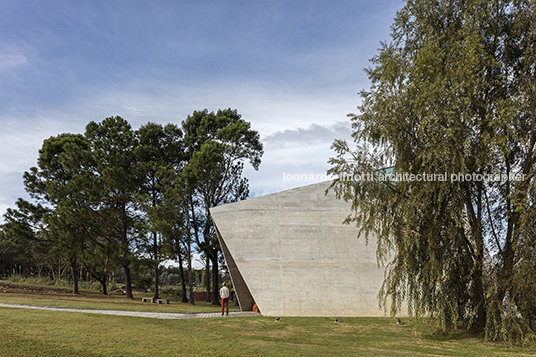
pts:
[479, 268]
[478, 292]
[104, 285]
[508, 251]
[156, 277]
[81, 269]
[74, 275]
[125, 244]
[189, 258]
[215, 280]
[128, 281]
[155, 245]
[194, 224]
[478, 259]
[190, 274]
[59, 271]
[183, 280]
[156, 283]
[207, 275]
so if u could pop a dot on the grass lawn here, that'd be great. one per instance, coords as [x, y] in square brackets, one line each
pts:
[52, 333]
[114, 303]
[90, 300]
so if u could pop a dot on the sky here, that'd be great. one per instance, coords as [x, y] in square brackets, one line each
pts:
[293, 69]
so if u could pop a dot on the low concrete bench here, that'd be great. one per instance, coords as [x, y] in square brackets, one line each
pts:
[160, 301]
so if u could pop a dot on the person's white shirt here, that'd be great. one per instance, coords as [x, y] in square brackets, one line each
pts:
[224, 292]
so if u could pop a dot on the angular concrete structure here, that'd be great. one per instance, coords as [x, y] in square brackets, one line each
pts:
[292, 255]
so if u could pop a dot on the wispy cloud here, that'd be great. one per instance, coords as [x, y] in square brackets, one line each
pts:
[14, 60]
[10, 60]
[300, 151]
[293, 69]
[314, 135]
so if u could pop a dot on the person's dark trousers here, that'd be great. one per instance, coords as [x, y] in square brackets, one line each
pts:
[225, 303]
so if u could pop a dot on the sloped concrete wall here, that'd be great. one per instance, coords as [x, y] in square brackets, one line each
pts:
[294, 256]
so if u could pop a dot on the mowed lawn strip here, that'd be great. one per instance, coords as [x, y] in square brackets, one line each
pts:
[42, 295]
[52, 333]
[114, 303]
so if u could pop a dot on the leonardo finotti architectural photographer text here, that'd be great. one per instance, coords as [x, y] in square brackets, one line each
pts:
[458, 177]
[307, 177]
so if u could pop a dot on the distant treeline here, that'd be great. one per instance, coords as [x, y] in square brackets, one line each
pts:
[120, 201]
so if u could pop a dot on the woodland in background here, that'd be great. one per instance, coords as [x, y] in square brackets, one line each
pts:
[116, 201]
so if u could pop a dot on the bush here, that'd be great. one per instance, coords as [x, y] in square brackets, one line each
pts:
[144, 282]
[171, 290]
[112, 285]
[93, 285]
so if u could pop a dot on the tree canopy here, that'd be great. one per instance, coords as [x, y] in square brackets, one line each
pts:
[217, 144]
[452, 105]
[117, 197]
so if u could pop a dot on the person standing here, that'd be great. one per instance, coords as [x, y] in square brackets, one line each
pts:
[224, 294]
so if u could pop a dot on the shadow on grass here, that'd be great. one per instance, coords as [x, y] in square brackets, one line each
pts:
[454, 335]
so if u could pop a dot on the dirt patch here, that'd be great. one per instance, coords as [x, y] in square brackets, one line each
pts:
[6, 287]
[28, 289]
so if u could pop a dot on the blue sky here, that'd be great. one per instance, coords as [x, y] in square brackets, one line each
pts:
[291, 68]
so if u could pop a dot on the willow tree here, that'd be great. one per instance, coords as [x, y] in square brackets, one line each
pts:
[452, 102]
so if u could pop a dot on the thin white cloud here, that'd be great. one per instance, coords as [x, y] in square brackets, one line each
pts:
[9, 61]
[314, 135]
[306, 146]
[22, 135]
[269, 106]
[301, 153]
[293, 73]
[20, 141]
[17, 140]
[14, 57]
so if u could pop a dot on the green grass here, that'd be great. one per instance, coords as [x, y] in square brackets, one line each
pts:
[114, 303]
[47, 333]
[55, 333]
[90, 300]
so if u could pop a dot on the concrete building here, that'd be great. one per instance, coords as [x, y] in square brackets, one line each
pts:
[292, 255]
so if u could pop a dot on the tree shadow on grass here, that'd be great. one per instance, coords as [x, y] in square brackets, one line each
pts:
[455, 335]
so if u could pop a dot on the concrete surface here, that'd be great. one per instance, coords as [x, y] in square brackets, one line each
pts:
[292, 255]
[153, 315]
